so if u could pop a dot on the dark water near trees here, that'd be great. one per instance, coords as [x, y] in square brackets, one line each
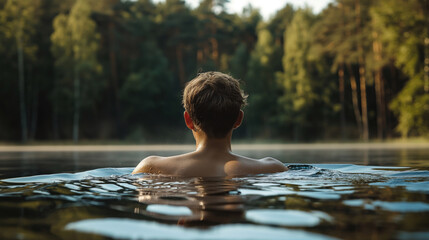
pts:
[349, 193]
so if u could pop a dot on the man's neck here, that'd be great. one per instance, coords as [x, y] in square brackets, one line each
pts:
[206, 144]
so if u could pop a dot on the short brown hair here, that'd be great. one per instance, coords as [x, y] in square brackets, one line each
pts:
[213, 101]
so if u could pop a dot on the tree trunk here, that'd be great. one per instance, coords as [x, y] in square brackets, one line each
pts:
[426, 68]
[76, 111]
[181, 66]
[215, 51]
[55, 127]
[23, 109]
[355, 99]
[383, 105]
[112, 55]
[362, 78]
[296, 132]
[199, 57]
[379, 88]
[55, 131]
[341, 89]
[426, 44]
[363, 102]
[114, 77]
[34, 104]
[341, 83]
[380, 105]
[34, 115]
[388, 93]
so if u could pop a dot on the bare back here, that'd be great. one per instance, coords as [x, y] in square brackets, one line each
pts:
[198, 164]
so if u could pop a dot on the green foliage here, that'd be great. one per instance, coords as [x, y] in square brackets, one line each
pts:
[281, 20]
[18, 20]
[404, 27]
[118, 67]
[148, 94]
[74, 40]
[412, 107]
[261, 86]
[238, 62]
[75, 46]
[297, 83]
[306, 81]
[176, 30]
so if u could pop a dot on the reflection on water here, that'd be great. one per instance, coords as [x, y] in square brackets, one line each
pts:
[326, 201]
[203, 200]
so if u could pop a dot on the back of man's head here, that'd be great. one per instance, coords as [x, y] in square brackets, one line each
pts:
[213, 100]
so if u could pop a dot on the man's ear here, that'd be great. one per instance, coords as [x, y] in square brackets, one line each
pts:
[188, 121]
[239, 119]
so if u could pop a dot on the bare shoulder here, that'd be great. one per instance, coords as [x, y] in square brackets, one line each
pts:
[146, 165]
[161, 165]
[273, 164]
[244, 166]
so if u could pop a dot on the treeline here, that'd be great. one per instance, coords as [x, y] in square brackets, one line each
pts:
[111, 69]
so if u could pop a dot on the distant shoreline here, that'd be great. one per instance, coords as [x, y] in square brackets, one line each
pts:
[190, 147]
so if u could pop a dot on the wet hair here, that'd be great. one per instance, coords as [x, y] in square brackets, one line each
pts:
[213, 100]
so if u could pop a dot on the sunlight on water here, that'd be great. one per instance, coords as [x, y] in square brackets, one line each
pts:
[306, 202]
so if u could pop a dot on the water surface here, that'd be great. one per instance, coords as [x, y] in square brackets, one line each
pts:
[344, 194]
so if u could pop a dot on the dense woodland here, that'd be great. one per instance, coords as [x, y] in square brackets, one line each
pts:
[114, 70]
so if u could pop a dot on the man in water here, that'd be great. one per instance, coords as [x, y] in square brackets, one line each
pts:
[213, 103]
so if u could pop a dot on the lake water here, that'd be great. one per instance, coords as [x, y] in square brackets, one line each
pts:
[366, 191]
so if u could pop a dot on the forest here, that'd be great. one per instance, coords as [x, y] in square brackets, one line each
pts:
[114, 70]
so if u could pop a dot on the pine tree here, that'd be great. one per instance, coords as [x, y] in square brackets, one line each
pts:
[75, 45]
[403, 26]
[18, 20]
[299, 94]
[261, 85]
